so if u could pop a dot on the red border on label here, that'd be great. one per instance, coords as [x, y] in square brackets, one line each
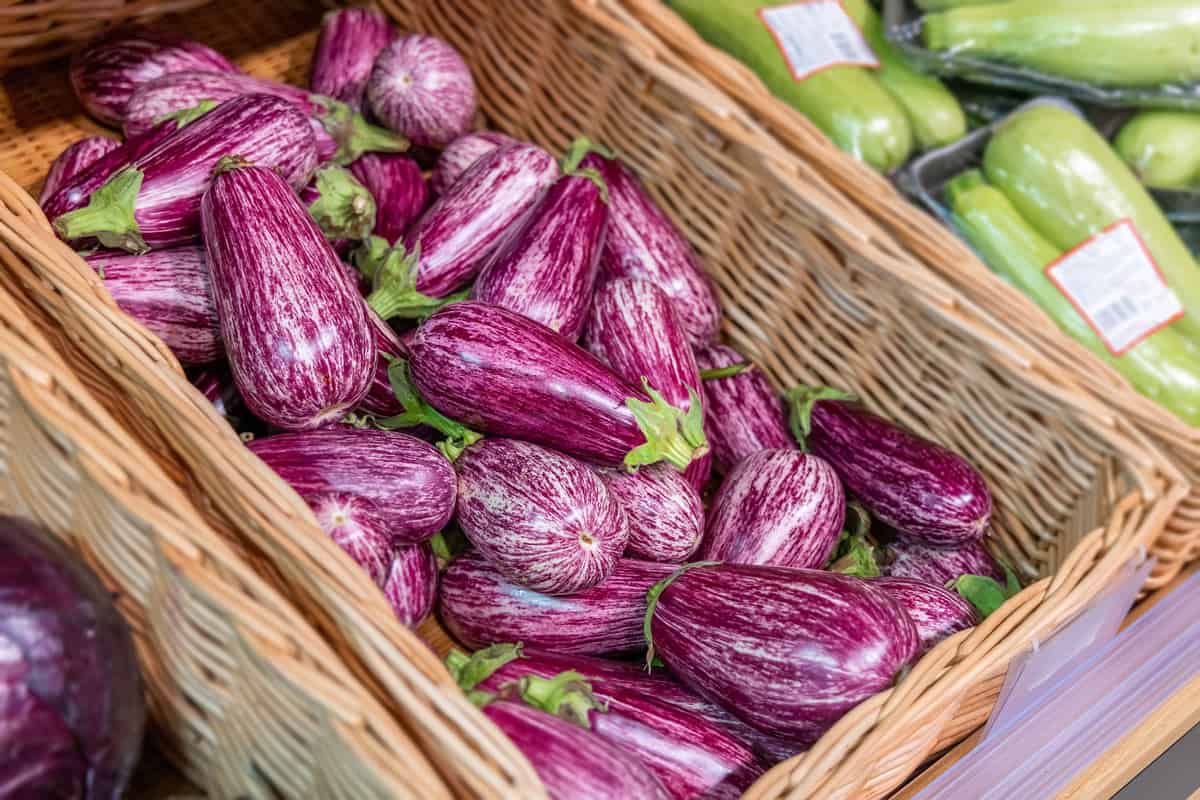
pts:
[1157, 269]
[832, 64]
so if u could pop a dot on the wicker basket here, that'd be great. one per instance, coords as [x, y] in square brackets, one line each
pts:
[808, 292]
[908, 233]
[34, 31]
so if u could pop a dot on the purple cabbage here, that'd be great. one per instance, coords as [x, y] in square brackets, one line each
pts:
[420, 87]
[350, 40]
[742, 413]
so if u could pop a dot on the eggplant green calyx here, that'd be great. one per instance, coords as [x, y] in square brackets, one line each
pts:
[578, 150]
[855, 556]
[109, 215]
[671, 435]
[418, 412]
[469, 671]
[186, 116]
[652, 603]
[394, 282]
[344, 208]
[353, 134]
[594, 176]
[448, 545]
[726, 372]
[230, 163]
[567, 695]
[986, 593]
[801, 400]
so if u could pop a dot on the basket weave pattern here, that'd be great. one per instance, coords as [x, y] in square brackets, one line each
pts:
[908, 233]
[809, 292]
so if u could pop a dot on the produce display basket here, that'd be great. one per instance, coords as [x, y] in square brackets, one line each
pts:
[35, 31]
[812, 290]
[906, 233]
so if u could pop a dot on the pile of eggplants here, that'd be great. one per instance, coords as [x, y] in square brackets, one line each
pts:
[499, 387]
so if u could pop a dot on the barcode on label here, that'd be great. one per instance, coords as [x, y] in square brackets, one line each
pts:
[816, 35]
[1114, 284]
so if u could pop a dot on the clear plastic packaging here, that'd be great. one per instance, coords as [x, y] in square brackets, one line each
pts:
[905, 24]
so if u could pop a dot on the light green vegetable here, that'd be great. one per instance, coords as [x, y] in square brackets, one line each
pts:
[847, 103]
[1103, 42]
[1162, 148]
[934, 114]
[1165, 366]
[1067, 181]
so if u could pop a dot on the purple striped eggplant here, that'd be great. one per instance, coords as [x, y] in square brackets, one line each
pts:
[573, 763]
[77, 190]
[421, 87]
[410, 483]
[357, 526]
[643, 243]
[297, 335]
[399, 189]
[448, 245]
[742, 413]
[74, 160]
[155, 202]
[169, 292]
[106, 73]
[411, 584]
[789, 651]
[500, 664]
[633, 328]
[547, 268]
[479, 606]
[350, 40]
[216, 383]
[907, 558]
[543, 519]
[936, 612]
[666, 515]
[506, 375]
[913, 485]
[341, 133]
[779, 507]
[380, 400]
[341, 206]
[462, 153]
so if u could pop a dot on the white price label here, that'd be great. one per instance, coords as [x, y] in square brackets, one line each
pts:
[1115, 285]
[815, 35]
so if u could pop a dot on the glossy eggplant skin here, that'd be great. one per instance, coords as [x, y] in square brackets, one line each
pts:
[643, 243]
[411, 583]
[907, 558]
[296, 333]
[410, 483]
[356, 525]
[788, 651]
[913, 485]
[399, 189]
[349, 42]
[666, 515]
[498, 372]
[572, 762]
[449, 244]
[936, 612]
[420, 87]
[544, 520]
[74, 160]
[479, 606]
[107, 72]
[778, 507]
[462, 153]
[380, 399]
[742, 413]
[634, 329]
[547, 269]
[169, 292]
[155, 202]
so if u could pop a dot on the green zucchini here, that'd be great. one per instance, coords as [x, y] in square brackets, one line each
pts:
[847, 103]
[1102, 42]
[1067, 181]
[1164, 366]
[934, 114]
[1162, 148]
